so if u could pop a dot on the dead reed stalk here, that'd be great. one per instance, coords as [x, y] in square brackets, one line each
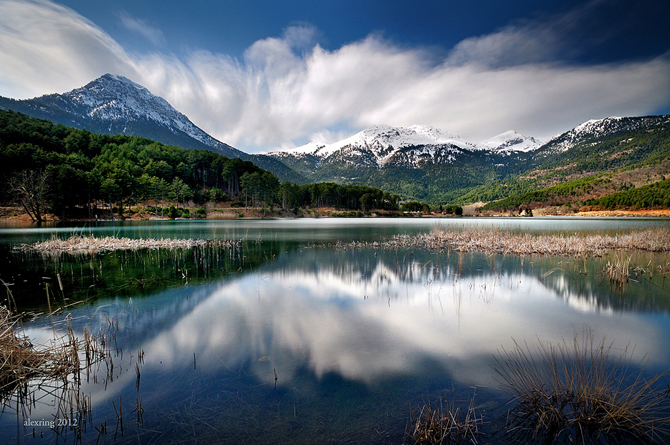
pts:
[21, 361]
[502, 242]
[581, 392]
[91, 244]
[618, 270]
[444, 425]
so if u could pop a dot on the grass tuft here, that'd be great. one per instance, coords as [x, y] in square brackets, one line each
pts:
[444, 425]
[581, 392]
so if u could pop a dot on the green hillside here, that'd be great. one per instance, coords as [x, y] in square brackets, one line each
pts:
[592, 169]
[51, 168]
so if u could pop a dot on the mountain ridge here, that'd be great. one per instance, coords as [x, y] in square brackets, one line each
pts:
[114, 104]
[418, 162]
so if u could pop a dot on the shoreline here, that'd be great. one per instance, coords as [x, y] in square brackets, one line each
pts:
[16, 214]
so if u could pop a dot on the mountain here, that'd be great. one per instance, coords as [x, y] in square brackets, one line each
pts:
[593, 160]
[511, 141]
[437, 166]
[381, 145]
[597, 129]
[418, 162]
[114, 104]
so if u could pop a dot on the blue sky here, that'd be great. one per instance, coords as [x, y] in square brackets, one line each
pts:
[262, 74]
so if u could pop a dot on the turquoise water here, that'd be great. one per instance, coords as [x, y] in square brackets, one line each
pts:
[278, 341]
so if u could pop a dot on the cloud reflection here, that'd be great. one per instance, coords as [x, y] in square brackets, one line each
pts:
[367, 326]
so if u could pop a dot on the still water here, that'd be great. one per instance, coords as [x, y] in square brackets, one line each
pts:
[282, 341]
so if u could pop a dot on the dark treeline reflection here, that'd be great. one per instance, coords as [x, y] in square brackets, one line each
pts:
[87, 277]
[578, 281]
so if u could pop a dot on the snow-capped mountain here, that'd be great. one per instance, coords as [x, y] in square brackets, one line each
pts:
[594, 129]
[114, 104]
[382, 145]
[511, 141]
[385, 138]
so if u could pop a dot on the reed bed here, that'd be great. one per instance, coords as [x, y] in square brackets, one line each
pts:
[581, 392]
[54, 369]
[90, 244]
[492, 241]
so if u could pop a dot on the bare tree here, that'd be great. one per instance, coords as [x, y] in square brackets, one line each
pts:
[29, 188]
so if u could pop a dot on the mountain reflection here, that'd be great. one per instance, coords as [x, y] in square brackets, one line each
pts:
[365, 318]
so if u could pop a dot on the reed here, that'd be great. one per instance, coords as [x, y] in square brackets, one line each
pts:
[444, 425]
[581, 392]
[90, 244]
[493, 241]
[21, 361]
[618, 270]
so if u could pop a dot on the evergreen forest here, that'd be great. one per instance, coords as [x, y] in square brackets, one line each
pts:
[72, 173]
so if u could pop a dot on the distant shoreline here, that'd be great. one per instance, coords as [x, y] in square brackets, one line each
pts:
[16, 214]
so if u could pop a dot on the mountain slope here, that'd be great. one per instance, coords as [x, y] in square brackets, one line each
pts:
[590, 161]
[114, 104]
[418, 162]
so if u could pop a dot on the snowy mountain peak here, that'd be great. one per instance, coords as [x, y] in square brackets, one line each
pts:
[384, 138]
[511, 141]
[115, 98]
[400, 137]
[597, 128]
[123, 106]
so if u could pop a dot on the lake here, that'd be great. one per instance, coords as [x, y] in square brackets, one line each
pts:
[286, 340]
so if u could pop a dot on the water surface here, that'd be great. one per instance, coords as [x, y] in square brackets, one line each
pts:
[281, 341]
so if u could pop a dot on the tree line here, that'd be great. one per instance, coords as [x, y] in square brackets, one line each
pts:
[656, 195]
[49, 167]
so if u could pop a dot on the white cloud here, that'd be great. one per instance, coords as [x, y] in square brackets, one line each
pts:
[289, 88]
[141, 27]
[47, 48]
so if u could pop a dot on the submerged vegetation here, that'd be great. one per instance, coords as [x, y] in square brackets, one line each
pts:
[444, 425]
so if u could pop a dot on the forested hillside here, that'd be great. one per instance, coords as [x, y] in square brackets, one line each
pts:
[595, 167]
[70, 172]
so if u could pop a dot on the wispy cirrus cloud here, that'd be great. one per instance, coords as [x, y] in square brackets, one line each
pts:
[143, 28]
[286, 89]
[46, 48]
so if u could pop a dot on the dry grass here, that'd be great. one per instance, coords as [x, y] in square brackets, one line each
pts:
[20, 361]
[502, 242]
[618, 270]
[581, 392]
[53, 371]
[90, 244]
[444, 425]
